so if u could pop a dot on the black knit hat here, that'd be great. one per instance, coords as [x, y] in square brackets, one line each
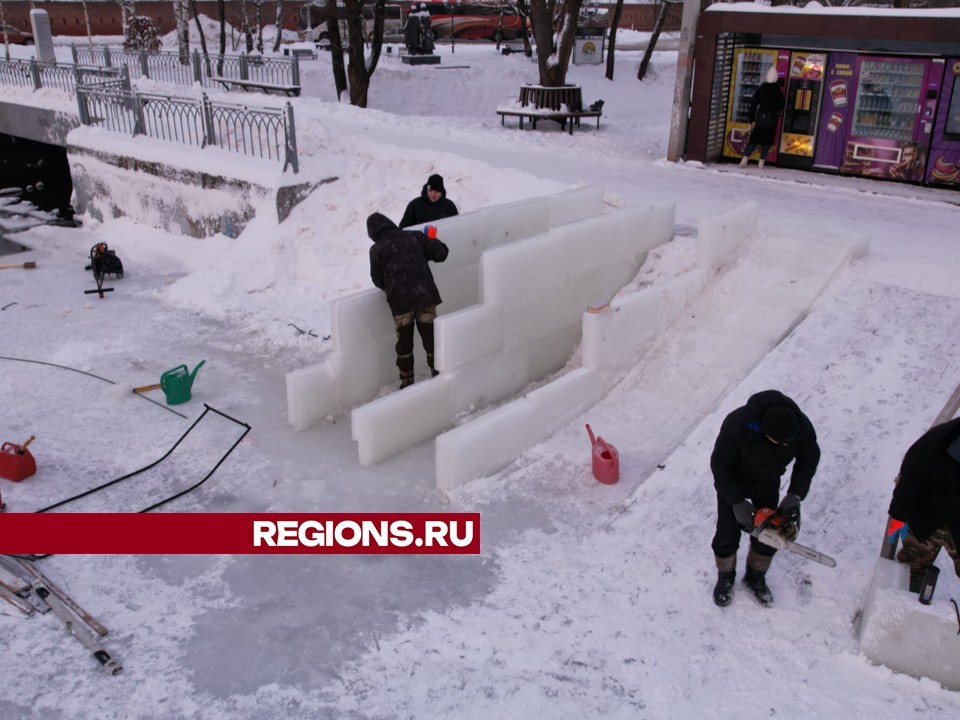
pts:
[435, 182]
[780, 424]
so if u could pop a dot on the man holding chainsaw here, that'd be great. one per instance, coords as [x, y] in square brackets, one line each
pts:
[755, 445]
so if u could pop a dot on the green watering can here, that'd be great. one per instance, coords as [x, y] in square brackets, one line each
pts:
[176, 383]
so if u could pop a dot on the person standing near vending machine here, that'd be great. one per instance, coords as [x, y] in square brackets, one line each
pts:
[764, 113]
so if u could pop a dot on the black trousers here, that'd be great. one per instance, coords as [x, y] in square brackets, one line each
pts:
[726, 540]
[423, 318]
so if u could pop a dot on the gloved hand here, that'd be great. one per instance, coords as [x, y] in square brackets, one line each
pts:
[430, 231]
[790, 508]
[744, 513]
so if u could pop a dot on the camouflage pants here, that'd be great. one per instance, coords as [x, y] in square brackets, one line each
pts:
[921, 554]
[423, 317]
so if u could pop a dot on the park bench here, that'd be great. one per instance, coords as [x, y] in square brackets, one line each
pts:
[562, 104]
[257, 85]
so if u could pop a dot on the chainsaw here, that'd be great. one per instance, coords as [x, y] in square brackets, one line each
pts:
[776, 531]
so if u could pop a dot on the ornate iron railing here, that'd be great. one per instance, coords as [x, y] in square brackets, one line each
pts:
[30, 73]
[173, 67]
[267, 133]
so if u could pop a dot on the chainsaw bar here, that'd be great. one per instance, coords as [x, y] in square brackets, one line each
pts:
[774, 539]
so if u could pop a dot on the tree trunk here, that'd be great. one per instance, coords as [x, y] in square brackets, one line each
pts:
[6, 38]
[182, 15]
[222, 12]
[614, 24]
[336, 49]
[203, 39]
[654, 36]
[247, 34]
[86, 20]
[276, 42]
[524, 12]
[553, 50]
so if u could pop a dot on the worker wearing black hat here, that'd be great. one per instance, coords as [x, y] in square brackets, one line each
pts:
[432, 205]
[756, 444]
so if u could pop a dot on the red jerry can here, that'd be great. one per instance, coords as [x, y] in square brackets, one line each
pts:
[606, 459]
[16, 462]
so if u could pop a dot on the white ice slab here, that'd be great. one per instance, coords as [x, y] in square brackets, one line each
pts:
[718, 236]
[899, 632]
[362, 328]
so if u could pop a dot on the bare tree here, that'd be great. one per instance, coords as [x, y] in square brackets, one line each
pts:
[554, 28]
[222, 12]
[654, 36]
[336, 48]
[86, 20]
[203, 38]
[361, 66]
[6, 37]
[614, 24]
[181, 13]
[276, 42]
[128, 9]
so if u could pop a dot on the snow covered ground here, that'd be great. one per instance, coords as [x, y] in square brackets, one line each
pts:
[587, 600]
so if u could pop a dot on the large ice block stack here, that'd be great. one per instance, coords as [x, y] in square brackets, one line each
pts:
[899, 632]
[615, 339]
[363, 359]
[534, 293]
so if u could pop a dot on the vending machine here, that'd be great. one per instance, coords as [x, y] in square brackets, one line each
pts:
[836, 109]
[801, 110]
[892, 121]
[943, 167]
[750, 65]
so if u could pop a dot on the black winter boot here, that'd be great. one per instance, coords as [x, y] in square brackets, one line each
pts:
[723, 590]
[755, 578]
[726, 574]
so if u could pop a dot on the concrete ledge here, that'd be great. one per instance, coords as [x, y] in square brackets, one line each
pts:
[900, 633]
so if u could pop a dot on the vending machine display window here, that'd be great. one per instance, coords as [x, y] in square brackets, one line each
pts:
[751, 69]
[887, 100]
[952, 126]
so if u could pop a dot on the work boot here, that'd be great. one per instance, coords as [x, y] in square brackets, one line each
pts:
[726, 574]
[406, 380]
[743, 161]
[755, 578]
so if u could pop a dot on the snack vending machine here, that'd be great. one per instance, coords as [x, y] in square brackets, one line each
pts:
[892, 121]
[836, 109]
[750, 65]
[801, 109]
[943, 167]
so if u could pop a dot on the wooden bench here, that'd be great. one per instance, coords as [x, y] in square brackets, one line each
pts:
[563, 104]
[566, 119]
[257, 85]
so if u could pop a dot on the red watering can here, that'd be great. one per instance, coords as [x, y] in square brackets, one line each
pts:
[16, 462]
[606, 459]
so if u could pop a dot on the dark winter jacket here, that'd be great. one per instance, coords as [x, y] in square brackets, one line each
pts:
[927, 496]
[745, 463]
[398, 264]
[421, 211]
[766, 103]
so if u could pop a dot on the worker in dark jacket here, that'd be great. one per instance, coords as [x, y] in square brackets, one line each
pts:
[432, 205]
[755, 445]
[398, 266]
[927, 498]
[765, 107]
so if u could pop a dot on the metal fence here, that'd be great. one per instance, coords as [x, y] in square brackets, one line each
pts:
[257, 132]
[187, 69]
[30, 73]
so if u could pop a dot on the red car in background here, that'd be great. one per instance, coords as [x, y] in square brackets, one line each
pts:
[17, 37]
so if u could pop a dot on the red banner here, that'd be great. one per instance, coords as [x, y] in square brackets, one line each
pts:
[239, 533]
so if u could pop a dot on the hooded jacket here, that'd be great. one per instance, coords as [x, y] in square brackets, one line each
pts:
[768, 97]
[745, 463]
[927, 496]
[398, 264]
[421, 211]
